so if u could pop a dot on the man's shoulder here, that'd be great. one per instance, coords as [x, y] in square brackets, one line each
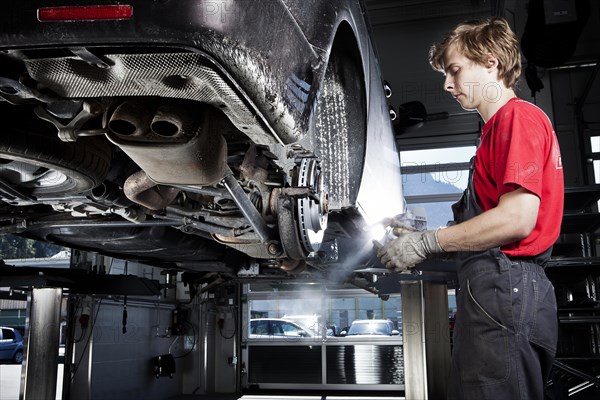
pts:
[527, 107]
[526, 111]
[519, 119]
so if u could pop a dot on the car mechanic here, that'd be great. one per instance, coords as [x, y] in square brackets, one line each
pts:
[505, 223]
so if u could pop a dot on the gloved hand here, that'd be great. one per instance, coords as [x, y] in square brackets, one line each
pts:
[408, 249]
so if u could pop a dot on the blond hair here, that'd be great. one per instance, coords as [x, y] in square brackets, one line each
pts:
[476, 40]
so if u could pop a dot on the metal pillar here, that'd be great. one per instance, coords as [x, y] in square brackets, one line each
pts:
[41, 357]
[77, 378]
[69, 342]
[413, 336]
[437, 338]
[426, 339]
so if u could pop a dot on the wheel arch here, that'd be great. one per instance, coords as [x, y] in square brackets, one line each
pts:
[347, 63]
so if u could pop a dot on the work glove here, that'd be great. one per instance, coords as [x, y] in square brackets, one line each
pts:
[408, 249]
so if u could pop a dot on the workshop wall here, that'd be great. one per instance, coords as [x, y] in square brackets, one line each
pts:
[117, 361]
[122, 363]
[403, 44]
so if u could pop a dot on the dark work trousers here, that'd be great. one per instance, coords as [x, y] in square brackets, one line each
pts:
[506, 328]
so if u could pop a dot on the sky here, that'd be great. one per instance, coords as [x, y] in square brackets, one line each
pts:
[441, 156]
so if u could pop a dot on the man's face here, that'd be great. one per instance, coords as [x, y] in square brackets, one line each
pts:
[470, 83]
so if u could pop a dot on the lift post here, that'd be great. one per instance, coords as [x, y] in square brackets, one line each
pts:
[41, 357]
[426, 339]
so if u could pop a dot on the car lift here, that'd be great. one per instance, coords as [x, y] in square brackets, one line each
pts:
[45, 290]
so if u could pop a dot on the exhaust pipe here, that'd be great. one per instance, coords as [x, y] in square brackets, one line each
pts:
[130, 118]
[108, 192]
[171, 120]
[140, 189]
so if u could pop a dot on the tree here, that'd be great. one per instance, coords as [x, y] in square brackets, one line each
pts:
[12, 246]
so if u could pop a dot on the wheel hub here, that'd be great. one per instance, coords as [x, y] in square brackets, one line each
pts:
[29, 175]
[311, 212]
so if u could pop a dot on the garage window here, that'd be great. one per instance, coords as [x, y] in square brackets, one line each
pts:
[433, 179]
[326, 352]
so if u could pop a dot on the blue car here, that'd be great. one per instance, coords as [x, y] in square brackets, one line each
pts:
[11, 345]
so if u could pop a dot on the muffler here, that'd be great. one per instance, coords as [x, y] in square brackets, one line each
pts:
[176, 146]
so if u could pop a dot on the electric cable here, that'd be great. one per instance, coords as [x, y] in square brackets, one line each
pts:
[87, 342]
[89, 338]
[78, 305]
[235, 327]
[193, 344]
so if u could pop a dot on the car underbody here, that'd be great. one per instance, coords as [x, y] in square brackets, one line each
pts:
[204, 157]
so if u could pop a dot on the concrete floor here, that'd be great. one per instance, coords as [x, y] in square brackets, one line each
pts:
[10, 381]
[284, 397]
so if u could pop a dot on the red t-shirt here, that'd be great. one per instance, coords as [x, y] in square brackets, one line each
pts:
[519, 149]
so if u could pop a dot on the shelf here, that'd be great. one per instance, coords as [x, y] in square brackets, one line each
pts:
[577, 217]
[572, 274]
[591, 308]
[580, 199]
[580, 223]
[573, 262]
[583, 319]
[568, 358]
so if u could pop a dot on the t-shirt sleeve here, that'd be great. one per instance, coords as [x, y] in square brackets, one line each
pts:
[520, 152]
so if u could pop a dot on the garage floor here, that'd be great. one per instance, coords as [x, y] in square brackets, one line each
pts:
[285, 397]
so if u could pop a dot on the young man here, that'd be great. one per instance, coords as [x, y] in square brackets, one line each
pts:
[506, 223]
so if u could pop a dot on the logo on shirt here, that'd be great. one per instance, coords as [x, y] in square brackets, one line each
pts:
[556, 155]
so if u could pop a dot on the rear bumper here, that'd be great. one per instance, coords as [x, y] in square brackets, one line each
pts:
[237, 35]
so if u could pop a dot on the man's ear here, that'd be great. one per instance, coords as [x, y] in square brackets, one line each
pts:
[491, 62]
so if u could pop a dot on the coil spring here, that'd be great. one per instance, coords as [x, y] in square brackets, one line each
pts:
[256, 199]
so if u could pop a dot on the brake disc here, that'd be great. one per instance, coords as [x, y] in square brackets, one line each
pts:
[311, 212]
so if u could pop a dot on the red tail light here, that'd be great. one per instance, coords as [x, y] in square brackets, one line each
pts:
[85, 13]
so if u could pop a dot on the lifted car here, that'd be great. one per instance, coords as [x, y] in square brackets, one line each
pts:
[215, 136]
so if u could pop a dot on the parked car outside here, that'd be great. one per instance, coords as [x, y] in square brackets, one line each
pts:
[371, 327]
[11, 345]
[276, 328]
[314, 323]
[202, 135]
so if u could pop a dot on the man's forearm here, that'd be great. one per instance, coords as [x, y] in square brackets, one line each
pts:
[512, 220]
